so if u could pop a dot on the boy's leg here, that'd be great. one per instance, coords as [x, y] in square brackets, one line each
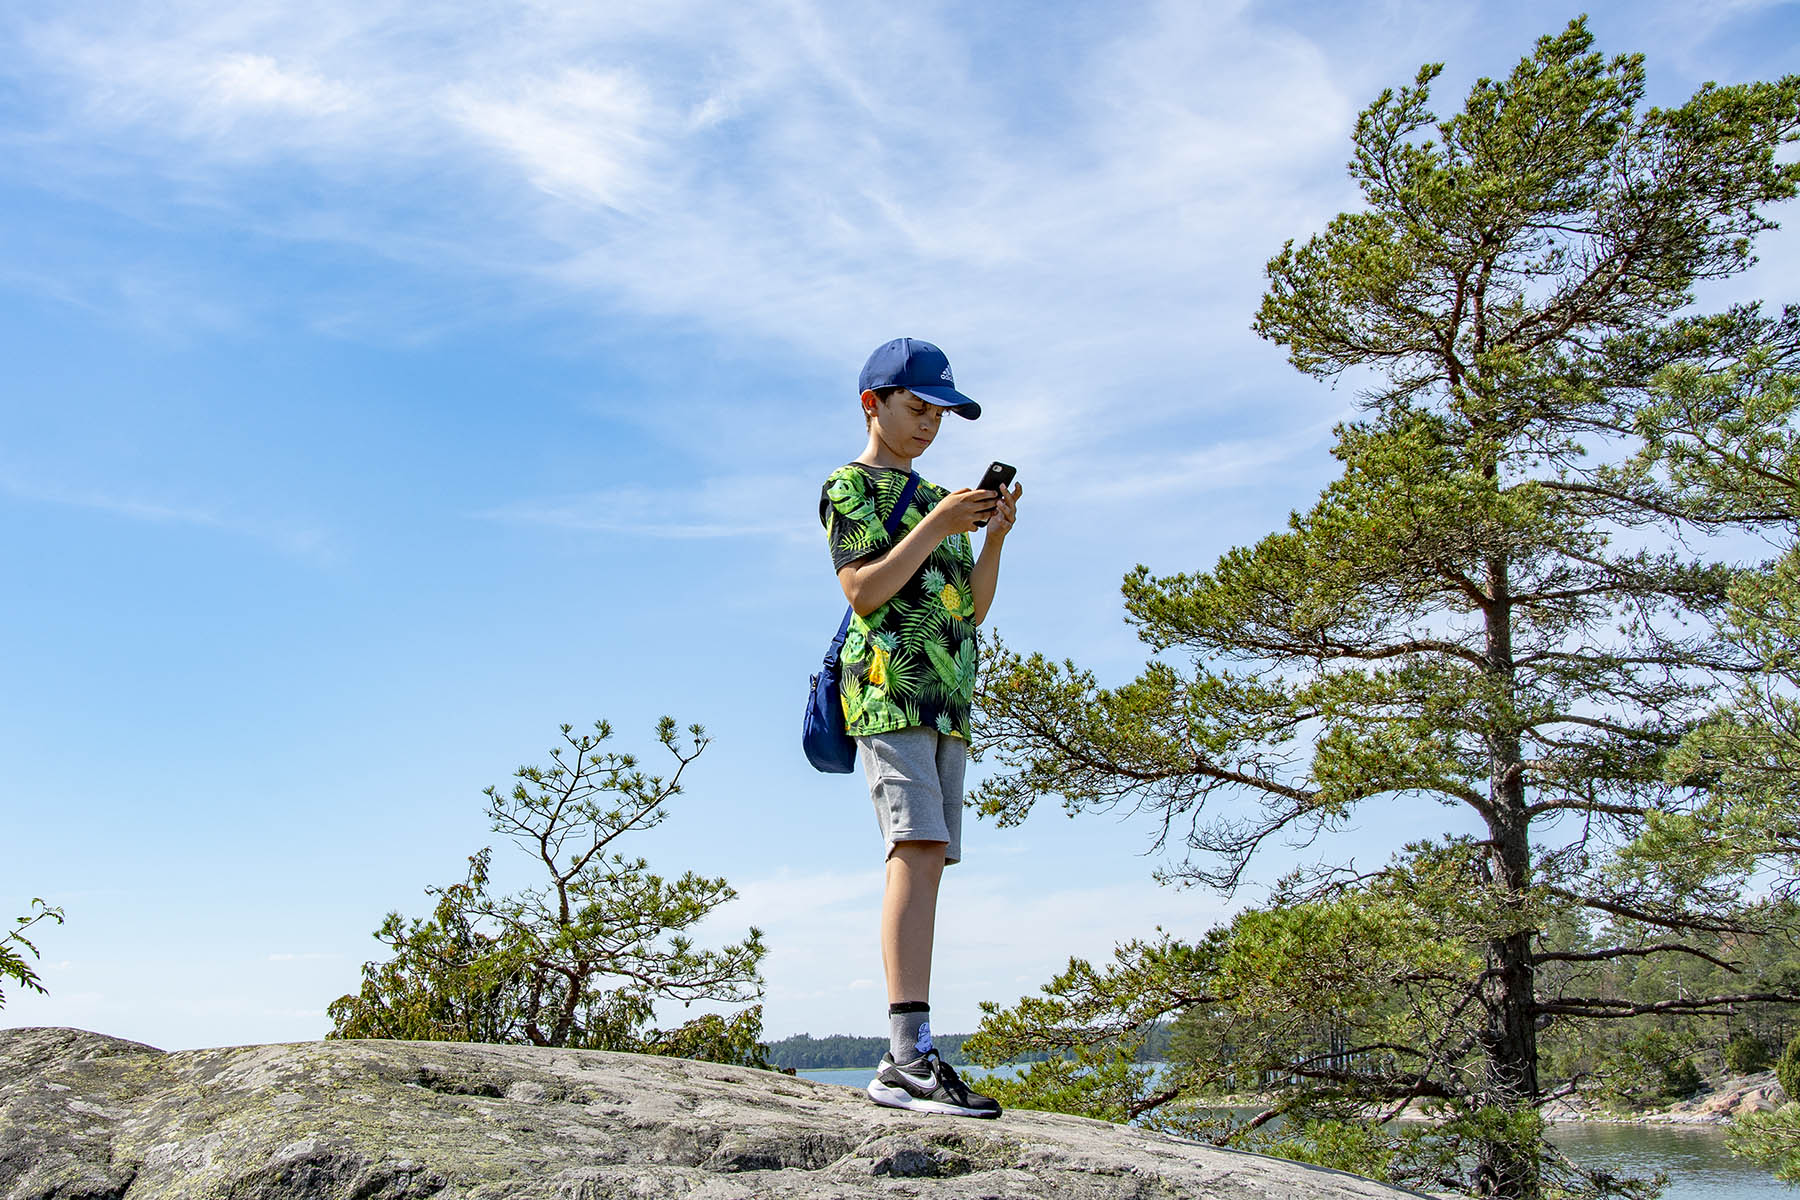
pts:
[915, 780]
[909, 917]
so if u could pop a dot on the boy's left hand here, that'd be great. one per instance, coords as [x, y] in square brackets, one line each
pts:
[1007, 513]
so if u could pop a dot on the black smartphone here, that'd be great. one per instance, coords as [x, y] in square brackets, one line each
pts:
[997, 477]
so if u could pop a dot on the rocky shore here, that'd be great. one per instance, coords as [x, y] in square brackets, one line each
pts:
[1716, 1105]
[92, 1117]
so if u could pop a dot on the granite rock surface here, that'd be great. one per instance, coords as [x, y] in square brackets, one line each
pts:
[89, 1117]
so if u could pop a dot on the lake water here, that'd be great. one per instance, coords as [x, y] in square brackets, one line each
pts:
[1694, 1156]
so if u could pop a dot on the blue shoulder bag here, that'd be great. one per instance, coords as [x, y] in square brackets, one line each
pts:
[828, 747]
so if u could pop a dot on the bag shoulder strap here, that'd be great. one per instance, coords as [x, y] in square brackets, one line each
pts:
[905, 502]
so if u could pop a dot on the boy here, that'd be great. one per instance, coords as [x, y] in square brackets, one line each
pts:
[908, 678]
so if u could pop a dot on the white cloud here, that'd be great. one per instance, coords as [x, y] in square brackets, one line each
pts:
[777, 190]
[579, 136]
[257, 81]
[1079, 236]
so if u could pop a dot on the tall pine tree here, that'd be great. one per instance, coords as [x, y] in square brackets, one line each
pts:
[1490, 609]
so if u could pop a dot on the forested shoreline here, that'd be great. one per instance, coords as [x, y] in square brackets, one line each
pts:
[803, 1052]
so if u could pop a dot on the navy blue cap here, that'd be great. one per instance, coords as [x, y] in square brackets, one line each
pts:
[921, 369]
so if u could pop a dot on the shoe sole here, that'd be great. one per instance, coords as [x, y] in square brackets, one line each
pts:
[893, 1097]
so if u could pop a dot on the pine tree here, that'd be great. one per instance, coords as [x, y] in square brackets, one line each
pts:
[1489, 610]
[582, 958]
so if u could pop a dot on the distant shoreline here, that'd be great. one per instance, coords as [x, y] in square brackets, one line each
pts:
[1717, 1104]
[846, 1052]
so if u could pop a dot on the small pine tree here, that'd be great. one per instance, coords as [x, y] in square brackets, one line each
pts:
[1787, 1069]
[1681, 1079]
[581, 959]
[1746, 1054]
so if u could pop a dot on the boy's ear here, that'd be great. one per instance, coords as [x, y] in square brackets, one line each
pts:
[868, 399]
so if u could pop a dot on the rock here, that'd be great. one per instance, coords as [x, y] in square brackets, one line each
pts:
[1719, 1103]
[88, 1117]
[1754, 1101]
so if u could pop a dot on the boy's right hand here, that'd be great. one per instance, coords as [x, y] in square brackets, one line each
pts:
[960, 510]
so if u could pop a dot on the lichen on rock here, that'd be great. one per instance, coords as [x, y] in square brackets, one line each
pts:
[100, 1118]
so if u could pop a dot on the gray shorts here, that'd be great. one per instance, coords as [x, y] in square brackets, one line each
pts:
[916, 782]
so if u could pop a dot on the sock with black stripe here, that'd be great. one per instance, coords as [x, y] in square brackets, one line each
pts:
[909, 1030]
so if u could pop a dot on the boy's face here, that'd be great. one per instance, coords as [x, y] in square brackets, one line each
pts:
[906, 424]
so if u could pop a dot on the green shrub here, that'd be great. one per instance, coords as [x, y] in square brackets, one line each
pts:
[1681, 1079]
[1746, 1053]
[1787, 1069]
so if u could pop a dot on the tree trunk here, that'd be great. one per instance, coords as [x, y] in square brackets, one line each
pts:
[1507, 1168]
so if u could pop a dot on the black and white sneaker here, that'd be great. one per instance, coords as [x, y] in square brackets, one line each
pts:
[928, 1084]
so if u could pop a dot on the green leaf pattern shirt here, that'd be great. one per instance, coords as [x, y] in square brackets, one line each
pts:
[911, 661]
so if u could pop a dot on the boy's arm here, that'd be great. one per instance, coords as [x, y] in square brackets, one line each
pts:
[986, 576]
[871, 583]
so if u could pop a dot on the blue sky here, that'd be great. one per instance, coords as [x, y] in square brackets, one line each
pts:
[388, 383]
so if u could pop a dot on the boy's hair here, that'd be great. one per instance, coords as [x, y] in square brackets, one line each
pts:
[881, 397]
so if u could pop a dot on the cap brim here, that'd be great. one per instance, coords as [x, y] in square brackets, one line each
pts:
[948, 397]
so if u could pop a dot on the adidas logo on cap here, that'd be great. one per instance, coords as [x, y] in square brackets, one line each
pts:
[920, 366]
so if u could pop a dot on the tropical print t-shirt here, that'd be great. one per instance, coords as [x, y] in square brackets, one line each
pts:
[911, 661]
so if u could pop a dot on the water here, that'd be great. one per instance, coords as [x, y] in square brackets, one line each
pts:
[1694, 1156]
[1698, 1165]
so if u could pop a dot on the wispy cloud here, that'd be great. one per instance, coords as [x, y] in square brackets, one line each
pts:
[1077, 226]
[725, 507]
[577, 136]
[249, 82]
[1082, 223]
[300, 542]
[1215, 467]
[701, 162]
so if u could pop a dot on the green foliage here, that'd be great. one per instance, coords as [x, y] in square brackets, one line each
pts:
[803, 1052]
[1771, 1139]
[1436, 1156]
[1681, 1079]
[582, 958]
[712, 1037]
[447, 980]
[15, 947]
[1491, 609]
[1728, 439]
[1107, 1089]
[1643, 1069]
[1787, 1069]
[1746, 1054]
